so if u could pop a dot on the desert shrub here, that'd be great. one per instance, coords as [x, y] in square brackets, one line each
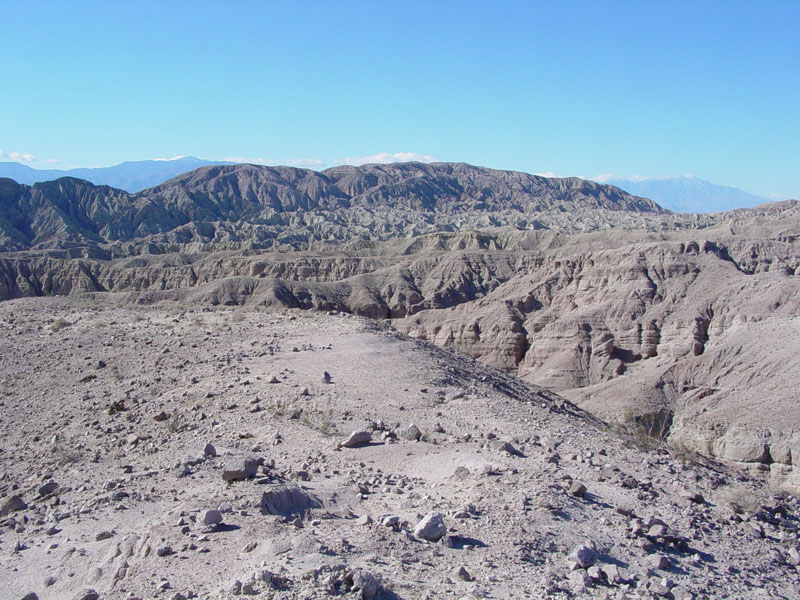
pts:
[59, 324]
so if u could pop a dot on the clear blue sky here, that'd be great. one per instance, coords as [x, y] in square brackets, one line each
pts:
[573, 88]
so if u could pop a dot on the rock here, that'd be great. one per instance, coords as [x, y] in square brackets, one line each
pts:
[462, 574]
[656, 531]
[506, 447]
[104, 535]
[366, 583]
[584, 555]
[206, 518]
[357, 438]
[30, 596]
[390, 521]
[242, 468]
[595, 572]
[577, 489]
[164, 550]
[250, 546]
[659, 562]
[612, 573]
[659, 589]
[431, 527]
[162, 416]
[12, 504]
[273, 379]
[210, 450]
[86, 594]
[100, 365]
[288, 500]
[326, 377]
[411, 433]
[695, 497]
[364, 520]
[48, 488]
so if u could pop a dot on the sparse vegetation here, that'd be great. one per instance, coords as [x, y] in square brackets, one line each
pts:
[59, 324]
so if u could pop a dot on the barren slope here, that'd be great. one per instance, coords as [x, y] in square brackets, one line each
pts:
[117, 406]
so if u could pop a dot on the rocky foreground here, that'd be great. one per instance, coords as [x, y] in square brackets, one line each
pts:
[174, 452]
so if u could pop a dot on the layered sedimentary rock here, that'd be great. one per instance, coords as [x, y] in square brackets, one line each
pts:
[631, 312]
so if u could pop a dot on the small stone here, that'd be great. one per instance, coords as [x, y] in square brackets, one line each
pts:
[104, 535]
[210, 450]
[366, 583]
[357, 438]
[431, 527]
[584, 555]
[695, 497]
[164, 550]
[100, 365]
[243, 468]
[624, 510]
[364, 520]
[390, 521]
[657, 530]
[250, 546]
[658, 589]
[411, 433]
[12, 504]
[326, 377]
[162, 416]
[462, 574]
[86, 594]
[273, 379]
[48, 488]
[209, 517]
[659, 562]
[30, 596]
[595, 572]
[577, 489]
[612, 573]
[506, 447]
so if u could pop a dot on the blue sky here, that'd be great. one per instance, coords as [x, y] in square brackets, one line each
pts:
[643, 88]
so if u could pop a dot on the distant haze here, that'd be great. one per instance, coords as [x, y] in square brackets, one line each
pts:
[131, 176]
[688, 194]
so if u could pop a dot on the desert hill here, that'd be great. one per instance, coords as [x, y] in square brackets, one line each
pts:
[268, 206]
[681, 324]
[179, 452]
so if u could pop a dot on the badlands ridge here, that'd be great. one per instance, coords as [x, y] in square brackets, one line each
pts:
[182, 307]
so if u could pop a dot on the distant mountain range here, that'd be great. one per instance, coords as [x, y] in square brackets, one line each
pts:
[294, 207]
[688, 194]
[679, 194]
[131, 176]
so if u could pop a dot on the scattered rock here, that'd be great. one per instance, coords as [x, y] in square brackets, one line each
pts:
[366, 583]
[577, 489]
[411, 433]
[210, 517]
[431, 527]
[48, 488]
[209, 450]
[584, 555]
[241, 468]
[12, 504]
[357, 438]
